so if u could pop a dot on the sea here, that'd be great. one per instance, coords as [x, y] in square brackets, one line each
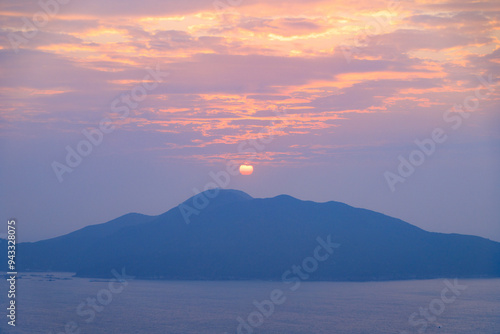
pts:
[58, 303]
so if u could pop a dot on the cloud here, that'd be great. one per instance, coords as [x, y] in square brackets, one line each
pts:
[230, 71]
[132, 8]
[286, 26]
[42, 38]
[411, 39]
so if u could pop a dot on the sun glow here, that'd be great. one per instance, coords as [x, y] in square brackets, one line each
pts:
[246, 169]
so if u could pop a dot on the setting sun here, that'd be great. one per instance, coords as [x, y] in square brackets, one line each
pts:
[246, 169]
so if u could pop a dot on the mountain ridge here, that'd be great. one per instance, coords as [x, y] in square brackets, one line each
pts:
[236, 236]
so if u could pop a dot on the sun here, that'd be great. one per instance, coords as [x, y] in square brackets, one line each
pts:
[246, 169]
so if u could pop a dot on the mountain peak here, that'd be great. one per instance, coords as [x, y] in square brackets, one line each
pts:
[219, 196]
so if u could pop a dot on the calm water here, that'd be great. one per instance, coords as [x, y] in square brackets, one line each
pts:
[46, 305]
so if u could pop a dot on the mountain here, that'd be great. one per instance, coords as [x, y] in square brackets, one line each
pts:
[227, 234]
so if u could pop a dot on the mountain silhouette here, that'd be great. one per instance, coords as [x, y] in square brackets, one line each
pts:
[226, 234]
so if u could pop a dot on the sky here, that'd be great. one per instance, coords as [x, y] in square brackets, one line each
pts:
[117, 106]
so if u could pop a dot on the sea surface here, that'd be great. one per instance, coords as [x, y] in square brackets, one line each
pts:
[59, 303]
